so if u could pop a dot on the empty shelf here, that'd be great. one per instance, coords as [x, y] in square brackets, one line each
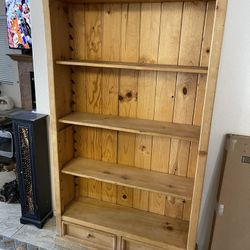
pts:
[172, 185]
[136, 66]
[138, 225]
[132, 125]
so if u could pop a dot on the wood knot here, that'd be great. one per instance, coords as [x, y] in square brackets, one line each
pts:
[124, 177]
[129, 94]
[168, 227]
[142, 147]
[120, 97]
[208, 51]
[170, 186]
[124, 196]
[65, 10]
[184, 90]
[106, 172]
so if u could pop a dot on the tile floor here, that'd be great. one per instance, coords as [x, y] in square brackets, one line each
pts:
[10, 227]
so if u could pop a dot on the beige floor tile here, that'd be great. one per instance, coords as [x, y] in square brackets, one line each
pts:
[40, 237]
[9, 211]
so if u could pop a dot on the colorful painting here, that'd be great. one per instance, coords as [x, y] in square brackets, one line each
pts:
[18, 23]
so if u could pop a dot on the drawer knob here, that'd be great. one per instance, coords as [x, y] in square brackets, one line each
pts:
[90, 236]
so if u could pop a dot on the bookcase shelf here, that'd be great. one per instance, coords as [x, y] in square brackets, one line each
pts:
[126, 1]
[172, 185]
[155, 229]
[130, 125]
[136, 66]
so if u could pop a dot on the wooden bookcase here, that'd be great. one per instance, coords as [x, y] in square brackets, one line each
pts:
[132, 86]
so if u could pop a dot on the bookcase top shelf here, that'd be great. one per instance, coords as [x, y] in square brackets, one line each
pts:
[135, 66]
[175, 186]
[132, 125]
[129, 1]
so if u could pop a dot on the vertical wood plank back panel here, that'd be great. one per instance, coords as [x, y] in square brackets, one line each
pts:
[128, 89]
[140, 32]
[93, 80]
[190, 49]
[170, 27]
[149, 42]
[110, 84]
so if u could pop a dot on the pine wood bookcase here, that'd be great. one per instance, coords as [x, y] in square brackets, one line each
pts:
[132, 85]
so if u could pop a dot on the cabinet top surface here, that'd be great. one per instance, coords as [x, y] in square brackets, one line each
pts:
[27, 116]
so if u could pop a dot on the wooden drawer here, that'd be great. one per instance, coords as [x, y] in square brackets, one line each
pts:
[128, 244]
[94, 237]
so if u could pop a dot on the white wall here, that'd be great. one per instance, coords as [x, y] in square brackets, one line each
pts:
[41, 70]
[232, 104]
[39, 56]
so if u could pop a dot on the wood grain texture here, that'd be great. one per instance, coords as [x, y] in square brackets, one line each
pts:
[93, 80]
[128, 89]
[190, 49]
[149, 27]
[131, 177]
[218, 30]
[136, 66]
[66, 154]
[170, 27]
[94, 239]
[126, 1]
[128, 244]
[59, 97]
[200, 93]
[153, 229]
[138, 126]
[110, 78]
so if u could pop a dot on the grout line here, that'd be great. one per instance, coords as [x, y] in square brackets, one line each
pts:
[16, 231]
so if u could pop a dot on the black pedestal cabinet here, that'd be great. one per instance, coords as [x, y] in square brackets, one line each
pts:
[31, 143]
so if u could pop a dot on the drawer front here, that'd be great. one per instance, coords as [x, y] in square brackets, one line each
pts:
[102, 240]
[136, 245]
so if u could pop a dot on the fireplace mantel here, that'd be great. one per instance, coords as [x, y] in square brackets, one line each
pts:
[20, 57]
[25, 67]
